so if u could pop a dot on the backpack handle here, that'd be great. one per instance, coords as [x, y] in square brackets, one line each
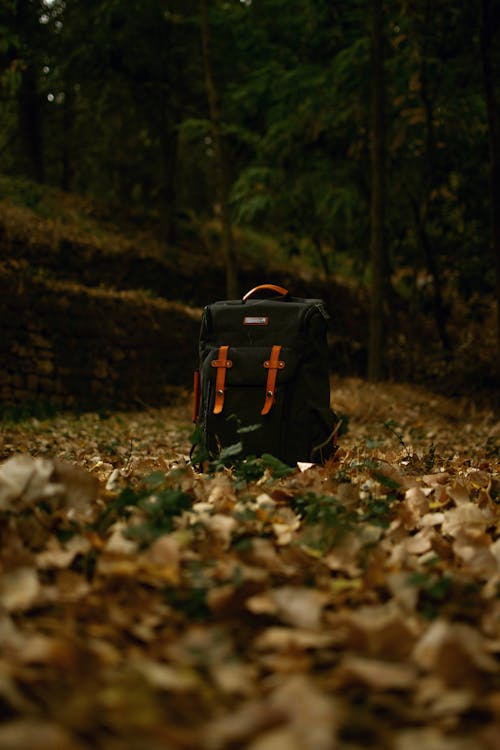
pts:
[269, 287]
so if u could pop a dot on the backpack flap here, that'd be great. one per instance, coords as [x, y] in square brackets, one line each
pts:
[245, 391]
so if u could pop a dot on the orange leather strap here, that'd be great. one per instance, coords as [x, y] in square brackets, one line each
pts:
[270, 287]
[222, 363]
[272, 365]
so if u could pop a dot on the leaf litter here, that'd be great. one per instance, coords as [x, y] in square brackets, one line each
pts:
[145, 605]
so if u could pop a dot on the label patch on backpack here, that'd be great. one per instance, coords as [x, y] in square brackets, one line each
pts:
[255, 320]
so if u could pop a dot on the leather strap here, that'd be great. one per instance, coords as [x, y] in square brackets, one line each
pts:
[222, 364]
[270, 287]
[272, 365]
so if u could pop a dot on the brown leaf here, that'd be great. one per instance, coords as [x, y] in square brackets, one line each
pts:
[476, 553]
[438, 700]
[314, 725]
[383, 630]
[235, 678]
[458, 492]
[19, 590]
[286, 639]
[241, 725]
[37, 734]
[376, 674]
[415, 505]
[57, 555]
[80, 489]
[432, 739]
[277, 739]
[10, 694]
[166, 677]
[454, 651]
[26, 480]
[465, 515]
[297, 606]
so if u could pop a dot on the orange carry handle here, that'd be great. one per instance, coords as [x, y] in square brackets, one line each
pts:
[270, 287]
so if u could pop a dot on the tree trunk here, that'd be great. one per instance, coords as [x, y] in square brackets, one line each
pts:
[323, 257]
[425, 248]
[68, 118]
[28, 98]
[168, 148]
[30, 123]
[377, 249]
[490, 33]
[221, 167]
[421, 212]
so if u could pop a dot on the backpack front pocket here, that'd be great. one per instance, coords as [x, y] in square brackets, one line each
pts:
[245, 404]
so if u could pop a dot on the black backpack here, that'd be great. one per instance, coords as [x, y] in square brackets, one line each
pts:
[263, 384]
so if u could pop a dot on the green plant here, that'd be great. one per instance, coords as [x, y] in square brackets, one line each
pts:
[247, 469]
[29, 410]
[439, 592]
[157, 504]
[325, 520]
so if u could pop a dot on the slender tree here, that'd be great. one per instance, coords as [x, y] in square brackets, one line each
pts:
[221, 165]
[490, 39]
[25, 46]
[377, 212]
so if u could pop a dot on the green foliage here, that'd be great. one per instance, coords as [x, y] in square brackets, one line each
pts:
[160, 510]
[157, 503]
[199, 452]
[377, 511]
[120, 93]
[441, 593]
[27, 411]
[325, 520]
[248, 469]
[191, 601]
[252, 468]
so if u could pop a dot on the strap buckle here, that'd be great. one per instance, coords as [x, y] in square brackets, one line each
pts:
[273, 364]
[222, 363]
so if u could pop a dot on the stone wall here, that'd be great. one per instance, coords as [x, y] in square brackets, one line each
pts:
[73, 346]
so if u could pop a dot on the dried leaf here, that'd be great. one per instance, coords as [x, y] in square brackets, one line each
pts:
[432, 739]
[299, 607]
[165, 677]
[57, 555]
[454, 651]
[376, 674]
[466, 515]
[379, 631]
[285, 639]
[25, 480]
[19, 590]
[37, 734]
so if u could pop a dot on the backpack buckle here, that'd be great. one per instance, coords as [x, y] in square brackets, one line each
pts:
[273, 364]
[222, 363]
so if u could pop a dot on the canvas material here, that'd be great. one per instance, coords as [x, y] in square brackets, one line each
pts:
[300, 419]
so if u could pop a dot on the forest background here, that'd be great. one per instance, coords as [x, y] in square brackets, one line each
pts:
[155, 155]
[358, 139]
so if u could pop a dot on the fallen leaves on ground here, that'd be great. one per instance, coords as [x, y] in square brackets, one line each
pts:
[144, 605]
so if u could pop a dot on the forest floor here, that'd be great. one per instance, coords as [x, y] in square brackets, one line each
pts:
[145, 606]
